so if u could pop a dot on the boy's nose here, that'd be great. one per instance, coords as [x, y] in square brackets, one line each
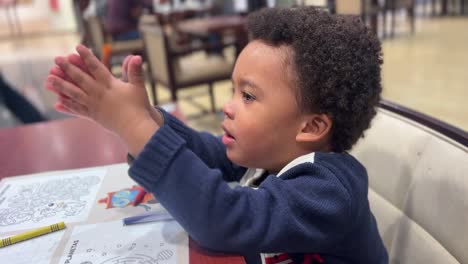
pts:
[228, 110]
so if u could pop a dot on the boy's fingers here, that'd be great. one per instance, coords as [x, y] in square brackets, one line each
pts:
[78, 77]
[49, 87]
[54, 90]
[65, 88]
[58, 106]
[58, 72]
[76, 60]
[136, 75]
[94, 66]
[72, 107]
[125, 68]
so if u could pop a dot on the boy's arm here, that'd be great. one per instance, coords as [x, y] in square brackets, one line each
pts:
[207, 147]
[87, 89]
[296, 215]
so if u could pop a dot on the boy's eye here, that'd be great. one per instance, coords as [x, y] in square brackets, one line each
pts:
[247, 97]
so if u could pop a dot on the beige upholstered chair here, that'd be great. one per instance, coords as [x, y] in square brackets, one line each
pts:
[418, 185]
[103, 46]
[177, 68]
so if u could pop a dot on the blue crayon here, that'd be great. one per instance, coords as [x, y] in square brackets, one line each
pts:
[152, 216]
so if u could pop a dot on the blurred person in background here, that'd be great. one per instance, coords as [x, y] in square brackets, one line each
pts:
[83, 9]
[97, 8]
[122, 18]
[19, 106]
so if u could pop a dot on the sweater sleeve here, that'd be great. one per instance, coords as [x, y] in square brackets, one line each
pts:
[207, 147]
[301, 214]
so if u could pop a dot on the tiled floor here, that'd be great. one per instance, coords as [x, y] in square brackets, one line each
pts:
[427, 71]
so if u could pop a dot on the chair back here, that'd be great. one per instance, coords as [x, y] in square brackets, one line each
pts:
[418, 185]
[148, 19]
[157, 52]
[96, 32]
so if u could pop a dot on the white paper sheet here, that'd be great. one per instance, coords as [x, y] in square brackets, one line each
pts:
[43, 200]
[39, 250]
[111, 243]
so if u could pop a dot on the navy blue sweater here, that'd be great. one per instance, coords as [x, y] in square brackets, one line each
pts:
[318, 206]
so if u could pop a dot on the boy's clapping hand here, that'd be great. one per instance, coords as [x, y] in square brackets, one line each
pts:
[87, 89]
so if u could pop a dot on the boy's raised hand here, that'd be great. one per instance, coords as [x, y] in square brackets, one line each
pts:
[55, 70]
[91, 91]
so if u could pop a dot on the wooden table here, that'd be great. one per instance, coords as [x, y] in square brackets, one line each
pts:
[172, 14]
[214, 24]
[217, 25]
[70, 144]
[57, 145]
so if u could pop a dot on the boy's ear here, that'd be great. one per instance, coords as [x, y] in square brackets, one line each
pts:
[314, 128]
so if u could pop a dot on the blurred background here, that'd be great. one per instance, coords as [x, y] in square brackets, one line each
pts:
[189, 48]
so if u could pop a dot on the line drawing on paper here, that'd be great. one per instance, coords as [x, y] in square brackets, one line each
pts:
[48, 200]
[155, 243]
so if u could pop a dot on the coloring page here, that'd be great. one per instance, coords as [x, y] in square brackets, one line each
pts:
[40, 201]
[163, 242]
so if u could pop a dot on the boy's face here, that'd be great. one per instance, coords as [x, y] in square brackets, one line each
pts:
[262, 119]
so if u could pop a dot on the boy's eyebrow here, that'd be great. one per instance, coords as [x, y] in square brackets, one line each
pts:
[247, 82]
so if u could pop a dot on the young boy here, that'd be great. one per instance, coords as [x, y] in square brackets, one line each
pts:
[305, 89]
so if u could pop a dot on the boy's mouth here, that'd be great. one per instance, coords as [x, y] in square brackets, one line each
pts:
[228, 138]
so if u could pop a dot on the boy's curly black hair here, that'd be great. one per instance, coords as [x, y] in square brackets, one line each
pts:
[337, 61]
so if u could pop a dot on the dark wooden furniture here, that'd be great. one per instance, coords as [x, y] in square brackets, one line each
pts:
[217, 25]
[175, 14]
[393, 6]
[70, 144]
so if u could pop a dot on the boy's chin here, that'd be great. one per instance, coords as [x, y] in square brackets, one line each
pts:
[240, 160]
[235, 158]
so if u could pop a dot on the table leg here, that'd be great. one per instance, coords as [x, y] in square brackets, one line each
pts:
[443, 11]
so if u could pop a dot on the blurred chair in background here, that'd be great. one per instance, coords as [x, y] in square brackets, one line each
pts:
[110, 52]
[113, 29]
[178, 69]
